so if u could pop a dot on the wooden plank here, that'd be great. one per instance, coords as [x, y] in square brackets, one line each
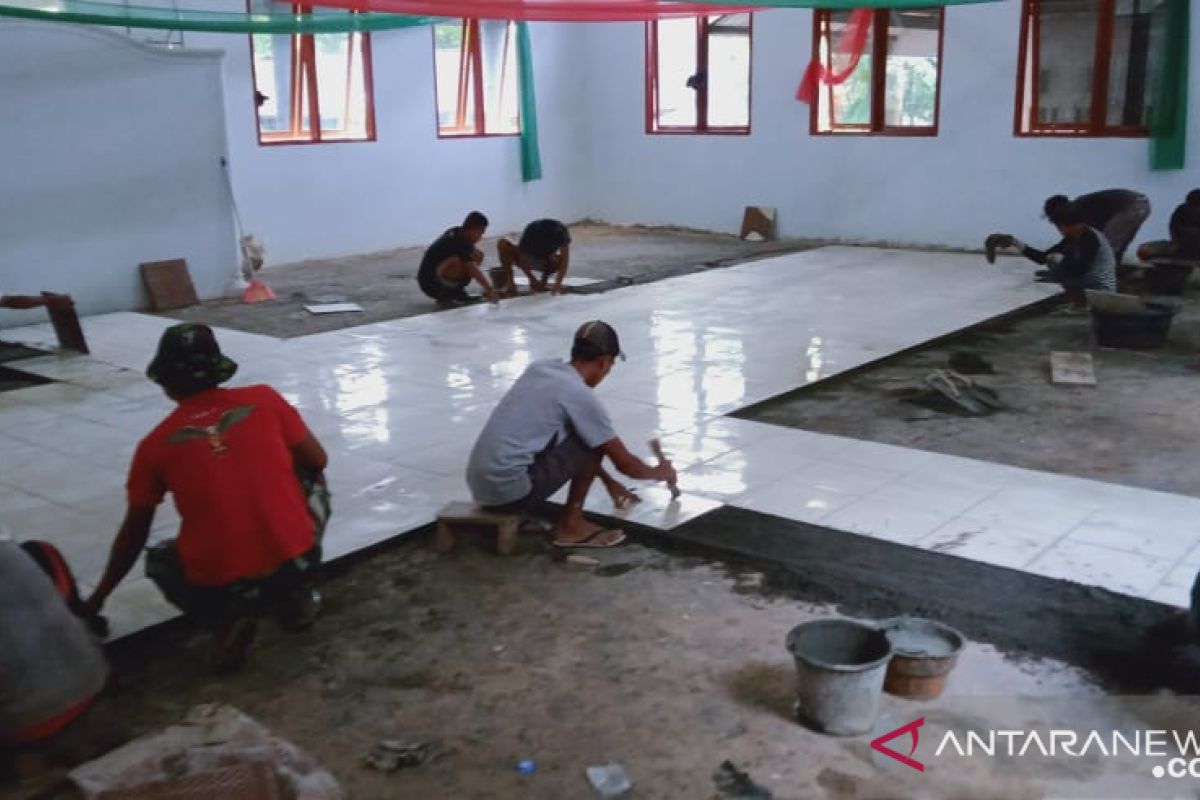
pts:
[169, 284]
[1072, 369]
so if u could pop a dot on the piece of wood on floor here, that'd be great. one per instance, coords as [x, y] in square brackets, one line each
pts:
[65, 320]
[1072, 369]
[760, 221]
[461, 514]
[169, 284]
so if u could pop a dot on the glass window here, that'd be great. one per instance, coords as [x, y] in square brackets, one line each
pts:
[893, 87]
[478, 89]
[698, 74]
[1087, 65]
[311, 88]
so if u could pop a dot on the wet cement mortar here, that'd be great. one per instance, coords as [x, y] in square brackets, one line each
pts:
[665, 662]
[385, 284]
[1136, 427]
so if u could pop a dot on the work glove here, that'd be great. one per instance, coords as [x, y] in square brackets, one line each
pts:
[1054, 259]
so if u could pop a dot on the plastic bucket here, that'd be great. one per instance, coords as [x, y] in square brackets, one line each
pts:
[925, 653]
[840, 666]
[1141, 330]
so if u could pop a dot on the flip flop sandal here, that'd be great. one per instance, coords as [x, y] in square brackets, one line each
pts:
[968, 386]
[591, 540]
[941, 383]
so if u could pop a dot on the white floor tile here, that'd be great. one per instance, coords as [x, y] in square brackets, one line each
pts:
[1094, 565]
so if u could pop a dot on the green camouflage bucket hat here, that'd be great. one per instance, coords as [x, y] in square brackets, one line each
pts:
[189, 360]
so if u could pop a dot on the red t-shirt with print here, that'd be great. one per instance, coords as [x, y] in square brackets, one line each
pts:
[225, 456]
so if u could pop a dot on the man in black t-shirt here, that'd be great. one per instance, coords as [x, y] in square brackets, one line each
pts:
[1117, 213]
[544, 247]
[453, 260]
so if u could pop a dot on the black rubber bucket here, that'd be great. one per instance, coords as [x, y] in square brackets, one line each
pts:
[1141, 330]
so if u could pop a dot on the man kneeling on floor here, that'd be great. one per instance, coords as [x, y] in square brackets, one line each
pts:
[545, 247]
[247, 478]
[452, 262]
[1082, 260]
[551, 428]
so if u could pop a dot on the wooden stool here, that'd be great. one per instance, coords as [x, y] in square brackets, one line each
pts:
[459, 513]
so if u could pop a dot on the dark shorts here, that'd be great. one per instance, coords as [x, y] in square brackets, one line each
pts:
[439, 288]
[547, 265]
[249, 596]
[552, 469]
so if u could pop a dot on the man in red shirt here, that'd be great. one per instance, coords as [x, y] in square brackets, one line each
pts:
[246, 476]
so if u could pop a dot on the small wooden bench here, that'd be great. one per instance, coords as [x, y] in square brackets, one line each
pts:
[463, 514]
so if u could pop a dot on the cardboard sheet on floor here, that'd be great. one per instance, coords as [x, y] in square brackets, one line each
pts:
[333, 308]
[1072, 369]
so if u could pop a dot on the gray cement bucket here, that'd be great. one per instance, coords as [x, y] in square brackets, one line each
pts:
[841, 665]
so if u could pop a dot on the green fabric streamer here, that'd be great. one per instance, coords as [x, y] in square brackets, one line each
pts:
[1168, 129]
[531, 156]
[90, 12]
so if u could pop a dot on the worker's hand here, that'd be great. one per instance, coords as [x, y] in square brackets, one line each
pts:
[558, 289]
[536, 286]
[665, 472]
[1054, 259]
[622, 496]
[491, 295]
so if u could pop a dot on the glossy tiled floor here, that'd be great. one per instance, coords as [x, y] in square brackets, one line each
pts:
[398, 405]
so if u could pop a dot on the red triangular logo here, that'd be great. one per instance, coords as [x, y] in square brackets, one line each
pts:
[879, 744]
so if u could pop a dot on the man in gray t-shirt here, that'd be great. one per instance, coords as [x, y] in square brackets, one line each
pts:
[550, 428]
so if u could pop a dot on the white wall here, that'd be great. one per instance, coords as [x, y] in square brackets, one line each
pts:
[973, 178]
[405, 188]
[111, 157]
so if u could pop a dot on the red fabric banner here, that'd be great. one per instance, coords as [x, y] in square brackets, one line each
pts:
[851, 44]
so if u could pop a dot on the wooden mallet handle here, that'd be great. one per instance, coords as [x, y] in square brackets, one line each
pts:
[656, 448]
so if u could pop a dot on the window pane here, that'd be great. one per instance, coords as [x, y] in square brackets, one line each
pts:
[1138, 32]
[729, 71]
[910, 98]
[501, 112]
[1065, 48]
[277, 81]
[677, 59]
[455, 91]
[852, 98]
[333, 78]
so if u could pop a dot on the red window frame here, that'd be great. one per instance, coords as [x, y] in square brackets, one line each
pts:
[703, 32]
[304, 78]
[471, 64]
[880, 23]
[1028, 68]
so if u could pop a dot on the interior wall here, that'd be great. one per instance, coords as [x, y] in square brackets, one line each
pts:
[111, 156]
[320, 200]
[975, 177]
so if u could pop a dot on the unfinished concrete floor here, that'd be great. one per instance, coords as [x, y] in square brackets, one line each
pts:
[665, 663]
[385, 285]
[1137, 427]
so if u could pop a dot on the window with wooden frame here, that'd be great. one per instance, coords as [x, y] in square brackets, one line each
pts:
[698, 74]
[475, 66]
[895, 88]
[1087, 66]
[311, 88]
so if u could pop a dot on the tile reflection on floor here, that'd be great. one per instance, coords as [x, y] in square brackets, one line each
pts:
[398, 404]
